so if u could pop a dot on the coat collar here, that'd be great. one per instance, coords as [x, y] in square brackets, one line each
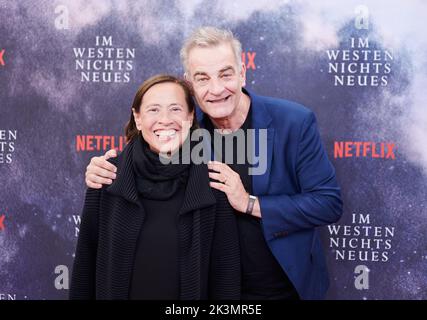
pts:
[198, 193]
[124, 185]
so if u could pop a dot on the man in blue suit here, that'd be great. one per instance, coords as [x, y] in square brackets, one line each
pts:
[277, 211]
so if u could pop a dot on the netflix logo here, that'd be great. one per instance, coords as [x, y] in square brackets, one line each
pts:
[99, 143]
[2, 51]
[364, 149]
[2, 217]
[248, 58]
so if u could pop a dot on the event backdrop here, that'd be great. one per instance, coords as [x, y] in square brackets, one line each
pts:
[69, 70]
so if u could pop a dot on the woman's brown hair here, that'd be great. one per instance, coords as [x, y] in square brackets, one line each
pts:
[130, 130]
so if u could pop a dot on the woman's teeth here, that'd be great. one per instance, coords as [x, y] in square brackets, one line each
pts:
[165, 135]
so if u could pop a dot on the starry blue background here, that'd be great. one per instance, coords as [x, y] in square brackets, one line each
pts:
[41, 97]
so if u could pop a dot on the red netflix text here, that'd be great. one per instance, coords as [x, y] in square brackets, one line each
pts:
[248, 58]
[368, 149]
[2, 57]
[2, 217]
[99, 143]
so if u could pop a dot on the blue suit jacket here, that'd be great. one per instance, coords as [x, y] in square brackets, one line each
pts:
[297, 193]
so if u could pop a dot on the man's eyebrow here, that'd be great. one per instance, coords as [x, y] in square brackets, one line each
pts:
[199, 73]
[227, 68]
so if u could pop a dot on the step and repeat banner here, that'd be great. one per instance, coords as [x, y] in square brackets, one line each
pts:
[69, 71]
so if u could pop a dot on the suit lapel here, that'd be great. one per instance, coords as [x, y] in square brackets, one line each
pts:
[261, 121]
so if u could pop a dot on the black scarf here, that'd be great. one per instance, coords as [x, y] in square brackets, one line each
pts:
[154, 179]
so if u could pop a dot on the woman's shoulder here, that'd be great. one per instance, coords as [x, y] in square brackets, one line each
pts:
[127, 150]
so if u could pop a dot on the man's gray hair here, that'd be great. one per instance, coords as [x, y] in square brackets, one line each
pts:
[210, 37]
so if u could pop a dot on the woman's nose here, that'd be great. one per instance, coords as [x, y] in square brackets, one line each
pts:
[165, 117]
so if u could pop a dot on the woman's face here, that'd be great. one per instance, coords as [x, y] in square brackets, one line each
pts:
[164, 119]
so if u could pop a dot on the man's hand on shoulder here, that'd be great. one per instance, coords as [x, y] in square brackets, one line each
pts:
[100, 171]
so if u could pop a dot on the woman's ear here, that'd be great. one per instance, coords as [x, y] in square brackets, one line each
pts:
[137, 117]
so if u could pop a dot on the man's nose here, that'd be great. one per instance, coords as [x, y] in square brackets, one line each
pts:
[216, 87]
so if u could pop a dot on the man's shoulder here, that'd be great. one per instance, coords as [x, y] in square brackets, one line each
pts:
[280, 108]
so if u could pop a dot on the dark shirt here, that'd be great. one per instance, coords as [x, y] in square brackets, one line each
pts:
[262, 276]
[156, 268]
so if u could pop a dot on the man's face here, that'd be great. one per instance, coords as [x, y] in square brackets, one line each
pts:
[217, 79]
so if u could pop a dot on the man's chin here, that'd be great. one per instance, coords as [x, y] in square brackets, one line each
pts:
[220, 114]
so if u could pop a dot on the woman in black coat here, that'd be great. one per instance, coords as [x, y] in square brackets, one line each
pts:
[158, 231]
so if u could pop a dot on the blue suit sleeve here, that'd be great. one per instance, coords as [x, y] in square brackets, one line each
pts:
[319, 201]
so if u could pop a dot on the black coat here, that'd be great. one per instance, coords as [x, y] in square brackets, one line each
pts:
[110, 225]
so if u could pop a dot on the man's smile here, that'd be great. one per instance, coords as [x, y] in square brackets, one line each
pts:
[219, 100]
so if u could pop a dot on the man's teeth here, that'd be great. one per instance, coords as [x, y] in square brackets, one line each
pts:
[219, 100]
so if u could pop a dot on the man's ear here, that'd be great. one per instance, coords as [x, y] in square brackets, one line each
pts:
[243, 74]
[187, 79]
[192, 118]
[137, 117]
